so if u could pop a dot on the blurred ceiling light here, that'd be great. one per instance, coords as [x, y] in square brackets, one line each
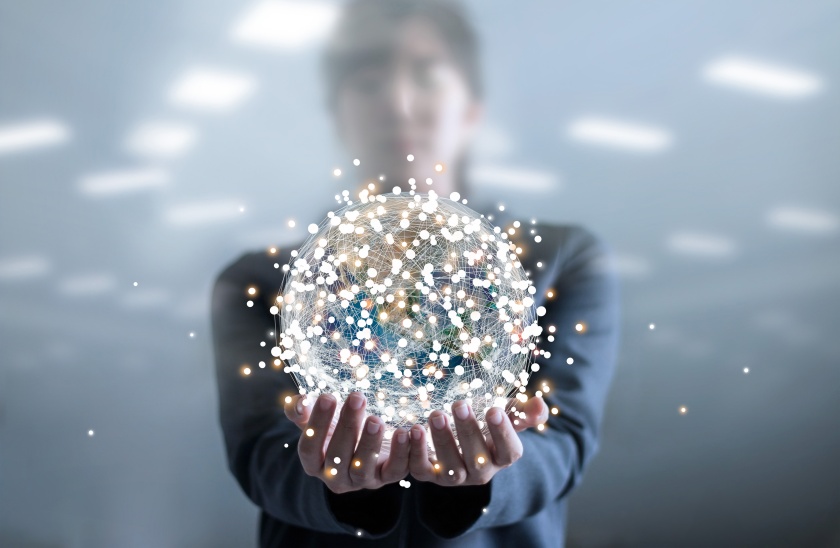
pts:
[619, 134]
[629, 266]
[119, 182]
[526, 180]
[492, 142]
[278, 24]
[803, 220]
[211, 89]
[701, 245]
[204, 212]
[161, 139]
[23, 268]
[29, 135]
[88, 284]
[147, 298]
[759, 77]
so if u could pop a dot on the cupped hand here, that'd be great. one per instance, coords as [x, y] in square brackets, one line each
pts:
[330, 451]
[479, 458]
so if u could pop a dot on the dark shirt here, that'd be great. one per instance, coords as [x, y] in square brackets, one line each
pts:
[523, 505]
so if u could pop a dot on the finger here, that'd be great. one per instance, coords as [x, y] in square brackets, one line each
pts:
[343, 443]
[396, 467]
[530, 414]
[297, 410]
[311, 445]
[536, 411]
[476, 455]
[452, 470]
[507, 447]
[363, 467]
[418, 459]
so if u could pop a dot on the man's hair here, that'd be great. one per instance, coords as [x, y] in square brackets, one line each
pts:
[344, 53]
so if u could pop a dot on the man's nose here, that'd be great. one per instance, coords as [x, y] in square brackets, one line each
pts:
[401, 96]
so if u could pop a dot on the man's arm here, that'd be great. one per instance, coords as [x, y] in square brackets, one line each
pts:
[553, 461]
[254, 425]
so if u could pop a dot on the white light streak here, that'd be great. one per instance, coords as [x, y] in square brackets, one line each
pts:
[203, 212]
[620, 134]
[525, 180]
[87, 284]
[161, 139]
[122, 181]
[211, 89]
[23, 268]
[34, 134]
[760, 77]
[285, 25]
[802, 220]
[701, 245]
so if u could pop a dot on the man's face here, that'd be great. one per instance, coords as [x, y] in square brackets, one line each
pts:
[406, 97]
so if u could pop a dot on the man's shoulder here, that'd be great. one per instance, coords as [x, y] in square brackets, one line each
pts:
[255, 266]
[569, 239]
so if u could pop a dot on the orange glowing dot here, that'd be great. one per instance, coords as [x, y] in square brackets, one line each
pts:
[480, 460]
[437, 466]
[439, 168]
[580, 327]
[310, 432]
[246, 370]
[333, 471]
[550, 294]
[357, 463]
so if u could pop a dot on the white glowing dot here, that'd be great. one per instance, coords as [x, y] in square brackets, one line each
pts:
[250, 304]
[90, 433]
[291, 224]
[313, 228]
[288, 399]
[337, 172]
[539, 264]
[554, 410]
[484, 510]
[359, 533]
[252, 290]
[570, 360]
[746, 370]
[310, 432]
[136, 284]
[651, 327]
[246, 371]
[428, 180]
[501, 208]
[192, 335]
[452, 472]
[538, 239]
[410, 157]
[683, 410]
[286, 445]
[337, 460]
[241, 209]
[578, 327]
[356, 162]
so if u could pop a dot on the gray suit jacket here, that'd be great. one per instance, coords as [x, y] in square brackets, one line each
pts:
[525, 503]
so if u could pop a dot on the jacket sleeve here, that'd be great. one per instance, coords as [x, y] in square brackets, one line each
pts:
[261, 443]
[585, 315]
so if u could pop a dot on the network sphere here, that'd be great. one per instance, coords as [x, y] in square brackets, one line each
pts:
[415, 301]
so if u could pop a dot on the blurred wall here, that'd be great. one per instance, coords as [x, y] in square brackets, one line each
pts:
[144, 145]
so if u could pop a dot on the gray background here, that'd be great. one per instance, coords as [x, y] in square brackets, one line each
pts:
[754, 461]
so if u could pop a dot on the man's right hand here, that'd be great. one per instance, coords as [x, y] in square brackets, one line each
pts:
[359, 466]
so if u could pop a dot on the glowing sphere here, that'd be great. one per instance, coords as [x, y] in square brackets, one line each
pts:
[415, 301]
